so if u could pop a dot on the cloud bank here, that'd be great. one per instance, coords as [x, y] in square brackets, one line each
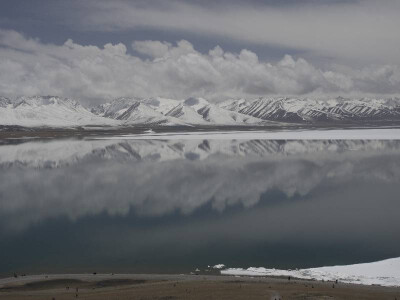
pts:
[96, 74]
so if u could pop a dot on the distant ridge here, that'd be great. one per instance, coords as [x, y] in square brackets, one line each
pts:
[314, 110]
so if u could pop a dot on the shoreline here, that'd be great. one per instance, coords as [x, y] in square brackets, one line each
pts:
[93, 277]
[183, 286]
[223, 132]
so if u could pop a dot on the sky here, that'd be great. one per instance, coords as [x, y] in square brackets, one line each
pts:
[97, 50]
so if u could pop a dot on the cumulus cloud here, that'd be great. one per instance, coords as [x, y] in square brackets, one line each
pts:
[153, 49]
[95, 74]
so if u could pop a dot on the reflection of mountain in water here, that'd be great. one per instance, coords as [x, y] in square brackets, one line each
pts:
[78, 178]
[69, 152]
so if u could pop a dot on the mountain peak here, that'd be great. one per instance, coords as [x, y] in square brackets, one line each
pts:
[196, 102]
[36, 101]
[4, 102]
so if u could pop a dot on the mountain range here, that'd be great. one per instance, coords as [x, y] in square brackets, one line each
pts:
[52, 111]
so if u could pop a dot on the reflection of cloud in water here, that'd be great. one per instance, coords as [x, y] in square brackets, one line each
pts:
[160, 177]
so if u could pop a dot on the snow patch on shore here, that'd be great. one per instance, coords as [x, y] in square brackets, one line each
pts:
[219, 266]
[385, 273]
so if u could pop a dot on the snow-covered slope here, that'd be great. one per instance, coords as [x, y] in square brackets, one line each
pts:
[161, 105]
[200, 111]
[130, 111]
[234, 105]
[385, 273]
[140, 113]
[186, 114]
[114, 109]
[192, 111]
[218, 115]
[48, 111]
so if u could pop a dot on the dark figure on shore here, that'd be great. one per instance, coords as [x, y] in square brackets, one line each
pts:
[288, 278]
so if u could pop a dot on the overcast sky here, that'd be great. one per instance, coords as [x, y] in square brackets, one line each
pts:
[98, 50]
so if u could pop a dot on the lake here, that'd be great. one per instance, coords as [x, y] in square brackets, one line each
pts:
[174, 205]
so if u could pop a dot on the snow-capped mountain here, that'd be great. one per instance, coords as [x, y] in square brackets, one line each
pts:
[61, 112]
[315, 111]
[200, 111]
[186, 114]
[234, 105]
[218, 115]
[130, 111]
[192, 111]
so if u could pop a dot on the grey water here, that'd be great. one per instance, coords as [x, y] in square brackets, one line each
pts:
[171, 206]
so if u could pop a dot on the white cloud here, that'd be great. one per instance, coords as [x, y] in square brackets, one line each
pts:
[153, 49]
[95, 74]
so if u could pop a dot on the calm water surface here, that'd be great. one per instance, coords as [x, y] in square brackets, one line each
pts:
[176, 205]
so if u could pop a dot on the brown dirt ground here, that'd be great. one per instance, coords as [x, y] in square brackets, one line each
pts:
[191, 287]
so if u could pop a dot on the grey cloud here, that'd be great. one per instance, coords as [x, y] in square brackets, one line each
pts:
[152, 49]
[94, 74]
